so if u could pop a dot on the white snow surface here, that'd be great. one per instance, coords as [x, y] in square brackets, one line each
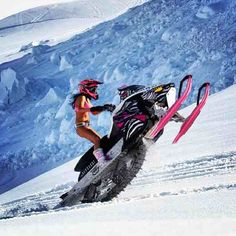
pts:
[187, 188]
[14, 6]
[153, 43]
[32, 32]
[39, 22]
[183, 189]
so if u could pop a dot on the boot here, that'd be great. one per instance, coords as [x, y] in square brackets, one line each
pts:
[99, 154]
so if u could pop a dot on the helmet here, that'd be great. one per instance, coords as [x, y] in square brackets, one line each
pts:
[125, 91]
[89, 87]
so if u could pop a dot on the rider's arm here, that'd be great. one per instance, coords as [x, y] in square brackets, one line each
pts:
[97, 110]
[81, 107]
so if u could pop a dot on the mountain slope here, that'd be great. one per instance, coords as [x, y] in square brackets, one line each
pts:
[154, 43]
[207, 129]
[54, 23]
[73, 9]
[191, 192]
[14, 7]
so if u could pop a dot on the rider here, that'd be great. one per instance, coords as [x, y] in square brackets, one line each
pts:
[127, 90]
[82, 106]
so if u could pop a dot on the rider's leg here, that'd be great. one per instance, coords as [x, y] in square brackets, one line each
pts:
[94, 137]
[90, 134]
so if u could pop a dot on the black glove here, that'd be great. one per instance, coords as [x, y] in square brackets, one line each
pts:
[97, 109]
[109, 107]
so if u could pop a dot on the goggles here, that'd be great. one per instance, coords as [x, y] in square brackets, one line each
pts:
[92, 89]
[123, 94]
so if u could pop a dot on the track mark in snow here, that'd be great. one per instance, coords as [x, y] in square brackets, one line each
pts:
[183, 191]
[210, 165]
[206, 166]
[40, 208]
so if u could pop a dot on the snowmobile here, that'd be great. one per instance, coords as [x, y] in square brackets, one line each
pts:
[138, 121]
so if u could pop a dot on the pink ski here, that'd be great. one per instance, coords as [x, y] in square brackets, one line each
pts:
[174, 108]
[192, 117]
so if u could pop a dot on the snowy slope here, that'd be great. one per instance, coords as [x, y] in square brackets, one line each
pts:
[53, 23]
[215, 126]
[157, 42]
[71, 9]
[21, 34]
[31, 35]
[9, 8]
[177, 192]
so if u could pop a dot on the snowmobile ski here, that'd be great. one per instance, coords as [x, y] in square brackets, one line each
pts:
[194, 114]
[173, 109]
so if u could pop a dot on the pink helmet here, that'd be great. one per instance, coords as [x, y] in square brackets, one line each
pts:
[89, 87]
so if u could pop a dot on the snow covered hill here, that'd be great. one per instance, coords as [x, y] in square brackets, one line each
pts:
[72, 9]
[20, 33]
[188, 188]
[54, 23]
[157, 42]
[13, 7]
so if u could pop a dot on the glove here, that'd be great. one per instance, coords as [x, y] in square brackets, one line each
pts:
[109, 107]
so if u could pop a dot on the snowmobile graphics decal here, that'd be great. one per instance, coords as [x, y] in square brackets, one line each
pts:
[95, 170]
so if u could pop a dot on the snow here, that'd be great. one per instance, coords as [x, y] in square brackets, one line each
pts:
[63, 110]
[35, 112]
[50, 98]
[183, 189]
[205, 12]
[223, 119]
[142, 227]
[193, 146]
[176, 192]
[64, 18]
[64, 64]
[146, 45]
[14, 6]
[12, 90]
[51, 139]
[8, 77]
[3, 94]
